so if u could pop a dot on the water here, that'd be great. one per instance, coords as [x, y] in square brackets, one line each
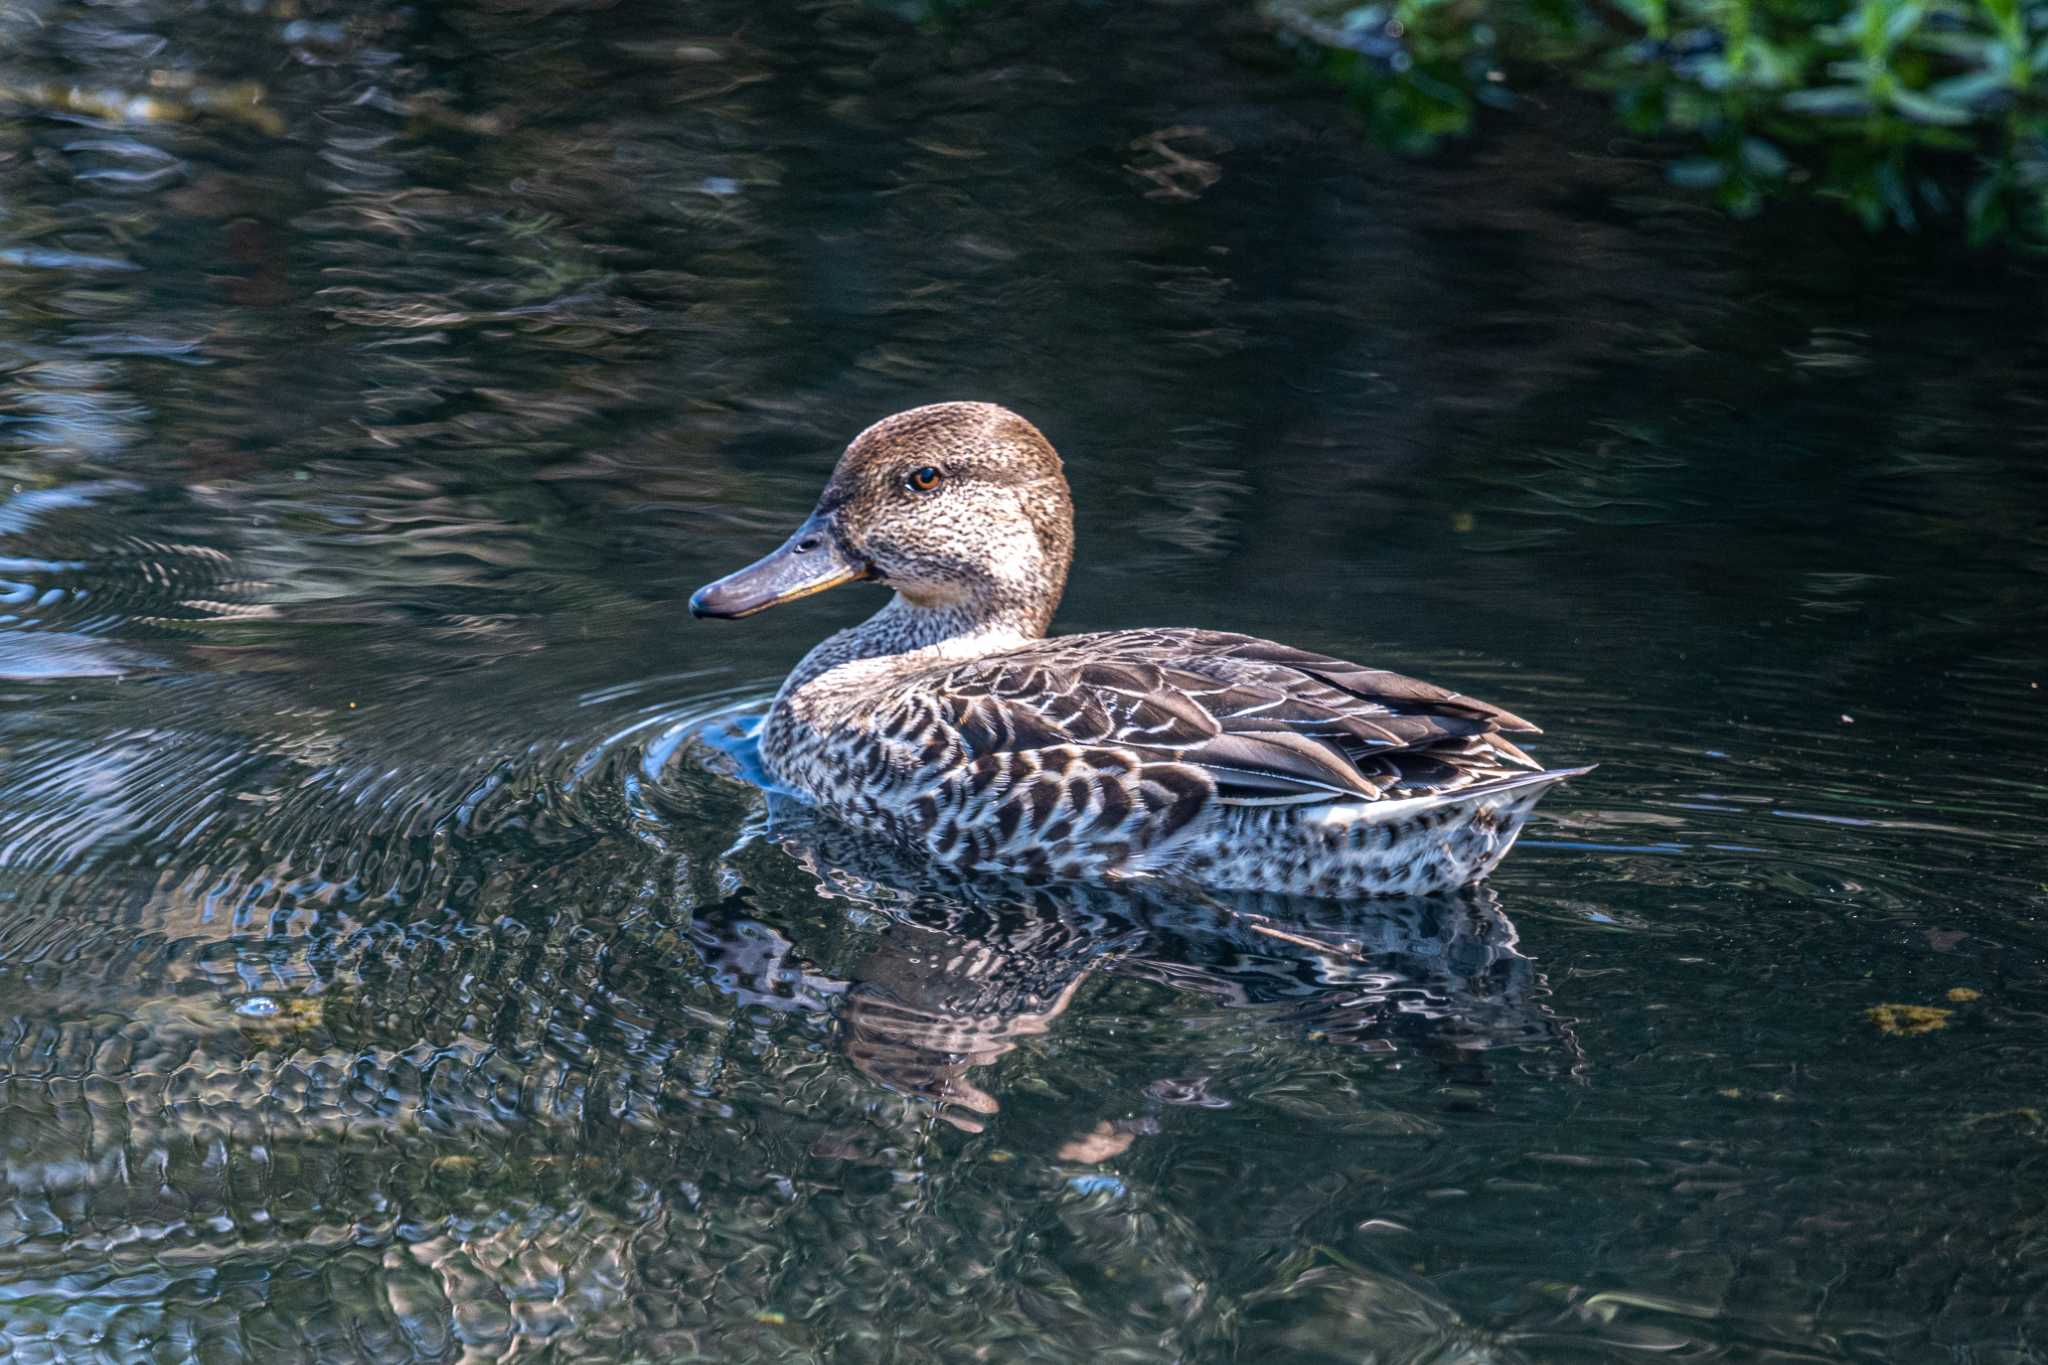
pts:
[395, 965]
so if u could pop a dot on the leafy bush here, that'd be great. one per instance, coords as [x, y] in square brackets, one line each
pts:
[1902, 110]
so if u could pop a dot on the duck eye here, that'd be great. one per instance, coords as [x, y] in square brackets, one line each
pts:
[925, 480]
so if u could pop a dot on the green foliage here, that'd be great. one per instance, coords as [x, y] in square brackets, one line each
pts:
[1901, 110]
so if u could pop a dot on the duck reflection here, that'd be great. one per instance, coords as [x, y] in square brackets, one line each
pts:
[925, 1014]
[963, 970]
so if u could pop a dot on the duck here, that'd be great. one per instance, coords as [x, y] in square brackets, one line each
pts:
[951, 725]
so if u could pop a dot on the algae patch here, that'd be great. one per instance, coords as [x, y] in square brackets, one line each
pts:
[1905, 1021]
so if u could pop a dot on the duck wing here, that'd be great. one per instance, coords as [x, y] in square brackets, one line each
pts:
[1256, 722]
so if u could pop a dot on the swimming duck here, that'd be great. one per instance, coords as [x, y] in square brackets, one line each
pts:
[949, 724]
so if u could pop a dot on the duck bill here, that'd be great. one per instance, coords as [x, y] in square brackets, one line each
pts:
[810, 561]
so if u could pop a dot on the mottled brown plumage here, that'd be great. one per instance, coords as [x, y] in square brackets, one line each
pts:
[949, 724]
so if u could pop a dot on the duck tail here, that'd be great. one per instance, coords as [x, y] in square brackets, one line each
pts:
[1523, 790]
[1546, 778]
[1488, 817]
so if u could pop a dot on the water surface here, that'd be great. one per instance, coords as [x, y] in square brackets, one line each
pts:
[396, 965]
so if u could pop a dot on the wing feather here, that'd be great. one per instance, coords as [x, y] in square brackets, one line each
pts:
[1255, 721]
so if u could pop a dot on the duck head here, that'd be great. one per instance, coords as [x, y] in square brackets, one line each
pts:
[960, 507]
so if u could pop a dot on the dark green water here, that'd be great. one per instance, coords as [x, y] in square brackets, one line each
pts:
[389, 971]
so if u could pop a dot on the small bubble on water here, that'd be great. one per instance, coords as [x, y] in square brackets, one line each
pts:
[257, 1007]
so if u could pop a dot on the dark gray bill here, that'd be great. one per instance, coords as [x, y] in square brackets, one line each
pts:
[810, 561]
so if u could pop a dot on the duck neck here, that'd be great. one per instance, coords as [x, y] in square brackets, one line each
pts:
[963, 629]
